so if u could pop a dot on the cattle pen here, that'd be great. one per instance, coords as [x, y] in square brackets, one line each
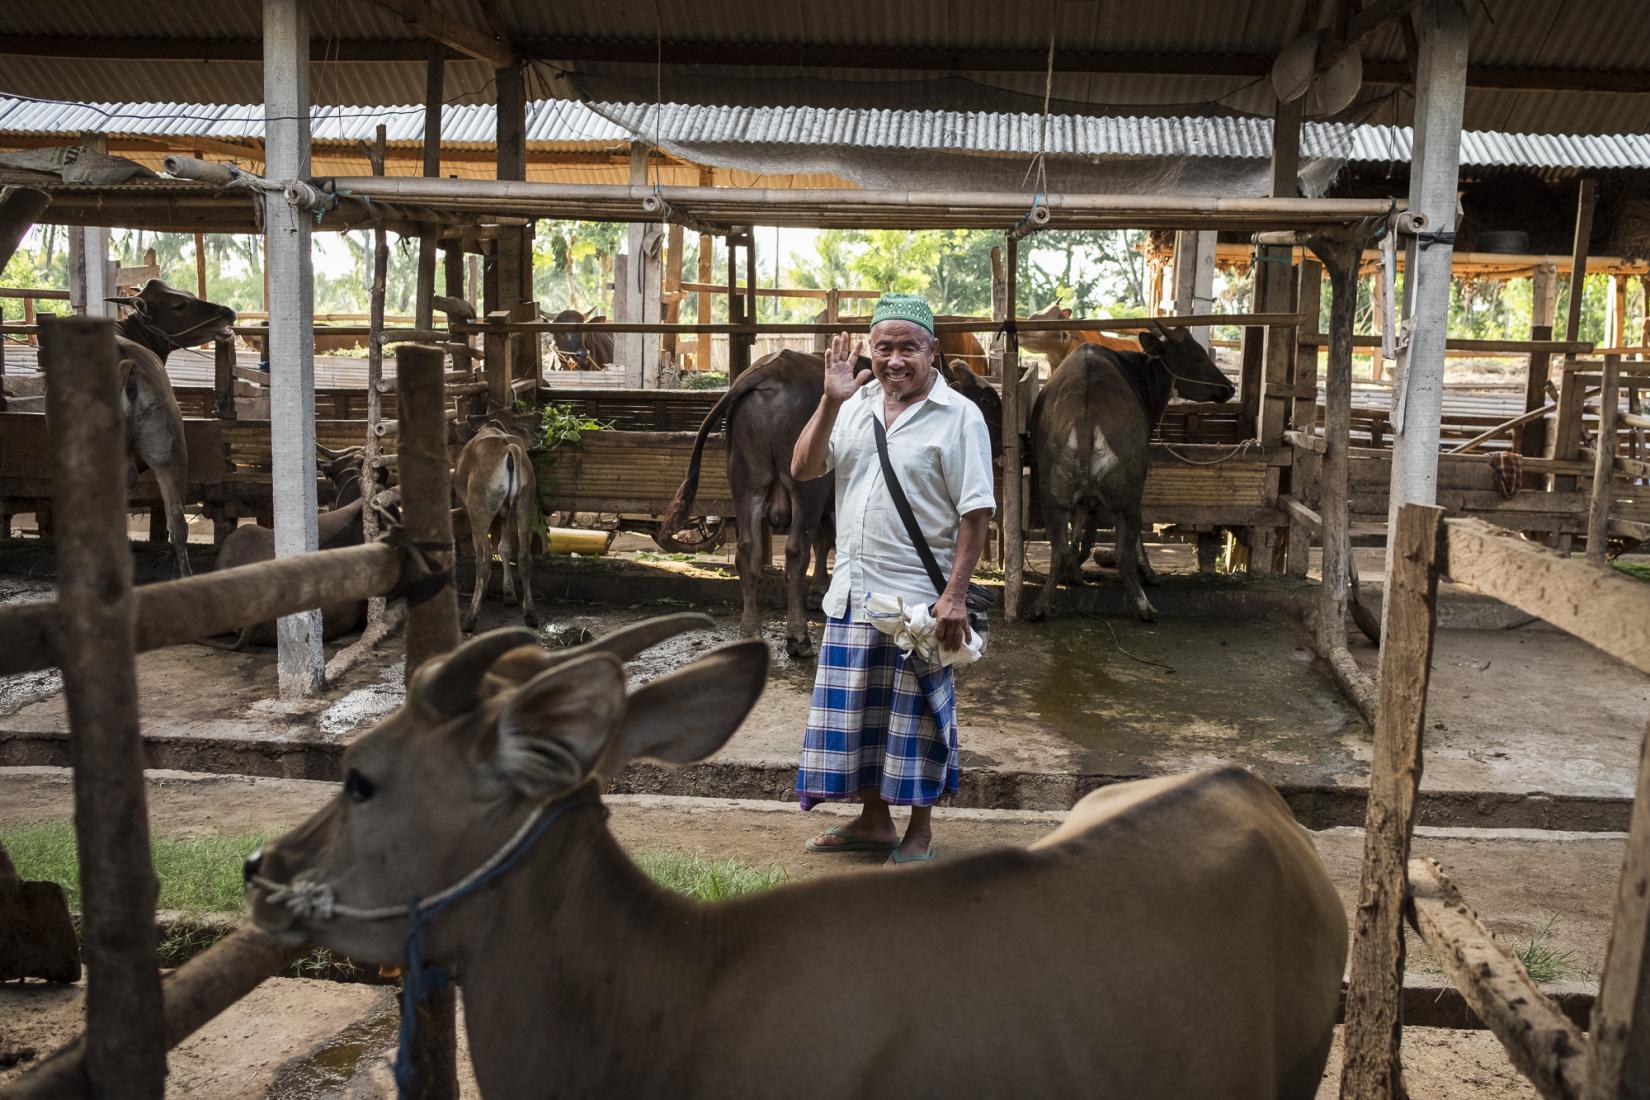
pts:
[1289, 467]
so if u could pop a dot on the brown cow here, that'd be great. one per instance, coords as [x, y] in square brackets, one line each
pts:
[1174, 938]
[498, 491]
[1091, 431]
[582, 350]
[1055, 345]
[159, 319]
[766, 409]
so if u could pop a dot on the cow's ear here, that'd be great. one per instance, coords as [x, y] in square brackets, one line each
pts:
[1152, 344]
[1065, 314]
[554, 729]
[689, 714]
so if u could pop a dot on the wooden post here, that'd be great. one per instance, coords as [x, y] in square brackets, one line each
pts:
[1531, 439]
[1377, 301]
[223, 377]
[498, 351]
[1303, 414]
[375, 369]
[1013, 513]
[434, 73]
[674, 243]
[1441, 27]
[291, 341]
[1615, 327]
[126, 1054]
[739, 350]
[1618, 1055]
[1272, 413]
[512, 259]
[432, 626]
[1604, 461]
[1374, 1021]
[200, 264]
[1543, 294]
[639, 351]
[707, 272]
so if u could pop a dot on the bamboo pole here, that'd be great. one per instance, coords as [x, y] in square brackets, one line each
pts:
[743, 328]
[375, 360]
[432, 625]
[125, 1055]
[1598, 508]
[1014, 549]
[1374, 1020]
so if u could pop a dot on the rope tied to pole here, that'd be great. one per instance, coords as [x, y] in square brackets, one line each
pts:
[422, 574]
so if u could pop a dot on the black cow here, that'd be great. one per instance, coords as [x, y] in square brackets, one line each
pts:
[1091, 431]
[582, 350]
[766, 409]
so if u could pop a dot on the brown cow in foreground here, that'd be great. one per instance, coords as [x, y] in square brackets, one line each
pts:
[498, 491]
[159, 319]
[1175, 937]
[766, 409]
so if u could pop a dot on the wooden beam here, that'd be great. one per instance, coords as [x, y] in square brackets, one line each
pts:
[1603, 607]
[1618, 1058]
[1540, 1040]
[1013, 513]
[1374, 1022]
[1586, 202]
[433, 23]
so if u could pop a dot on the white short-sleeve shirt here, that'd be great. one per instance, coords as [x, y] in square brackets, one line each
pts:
[942, 454]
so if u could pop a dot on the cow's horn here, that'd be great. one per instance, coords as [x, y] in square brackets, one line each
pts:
[1158, 325]
[626, 643]
[452, 685]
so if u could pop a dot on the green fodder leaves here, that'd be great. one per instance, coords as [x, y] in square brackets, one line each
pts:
[708, 879]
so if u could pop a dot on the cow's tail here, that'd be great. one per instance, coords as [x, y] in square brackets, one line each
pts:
[676, 515]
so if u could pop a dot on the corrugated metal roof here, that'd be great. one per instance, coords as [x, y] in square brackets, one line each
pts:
[1598, 36]
[565, 124]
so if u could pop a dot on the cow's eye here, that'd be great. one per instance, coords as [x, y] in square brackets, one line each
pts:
[358, 787]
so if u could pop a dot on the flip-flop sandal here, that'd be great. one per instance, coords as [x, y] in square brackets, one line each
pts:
[926, 857]
[850, 843]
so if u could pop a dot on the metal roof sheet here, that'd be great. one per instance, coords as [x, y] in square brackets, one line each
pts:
[1598, 36]
[570, 125]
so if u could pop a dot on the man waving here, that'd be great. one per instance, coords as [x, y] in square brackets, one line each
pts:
[882, 726]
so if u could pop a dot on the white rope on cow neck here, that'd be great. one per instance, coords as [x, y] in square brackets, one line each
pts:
[312, 898]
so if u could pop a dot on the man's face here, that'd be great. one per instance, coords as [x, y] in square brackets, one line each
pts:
[902, 354]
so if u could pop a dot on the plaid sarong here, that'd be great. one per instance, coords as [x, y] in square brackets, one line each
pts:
[877, 720]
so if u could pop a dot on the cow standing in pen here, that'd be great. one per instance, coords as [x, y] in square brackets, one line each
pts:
[498, 491]
[1174, 938]
[159, 319]
[1091, 430]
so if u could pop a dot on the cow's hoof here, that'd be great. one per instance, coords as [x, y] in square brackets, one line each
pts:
[1147, 614]
[799, 647]
[1036, 614]
[467, 626]
[531, 618]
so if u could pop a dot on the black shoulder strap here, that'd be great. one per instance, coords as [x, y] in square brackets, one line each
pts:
[903, 507]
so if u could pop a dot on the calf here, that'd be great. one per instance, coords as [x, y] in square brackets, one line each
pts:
[251, 543]
[159, 319]
[1091, 429]
[1175, 937]
[497, 489]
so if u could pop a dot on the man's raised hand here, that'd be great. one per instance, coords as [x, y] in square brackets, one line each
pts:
[842, 381]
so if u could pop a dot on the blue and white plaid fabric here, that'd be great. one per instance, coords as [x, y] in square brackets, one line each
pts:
[878, 720]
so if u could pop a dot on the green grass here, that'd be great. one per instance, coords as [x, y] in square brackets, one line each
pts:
[197, 874]
[1638, 569]
[203, 874]
[1544, 962]
[708, 879]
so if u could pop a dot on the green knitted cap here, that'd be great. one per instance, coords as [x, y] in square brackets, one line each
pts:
[903, 307]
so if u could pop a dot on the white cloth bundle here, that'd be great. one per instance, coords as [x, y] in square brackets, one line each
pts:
[915, 630]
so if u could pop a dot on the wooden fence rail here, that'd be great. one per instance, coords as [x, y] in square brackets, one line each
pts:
[131, 1021]
[1601, 607]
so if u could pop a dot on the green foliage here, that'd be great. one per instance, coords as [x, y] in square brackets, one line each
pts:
[1636, 569]
[1544, 962]
[705, 380]
[198, 874]
[573, 263]
[561, 424]
[708, 879]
